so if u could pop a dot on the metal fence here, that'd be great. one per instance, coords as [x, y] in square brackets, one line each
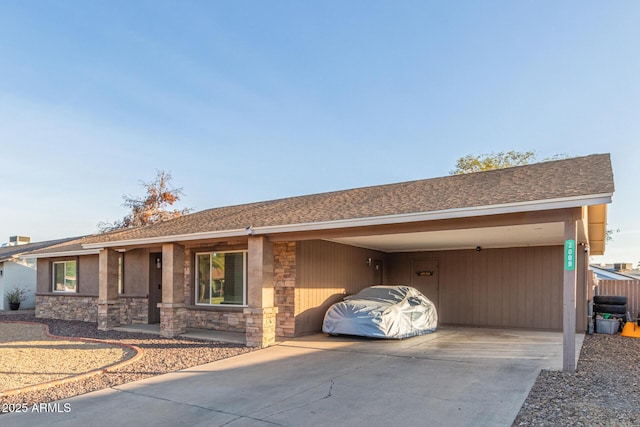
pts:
[628, 288]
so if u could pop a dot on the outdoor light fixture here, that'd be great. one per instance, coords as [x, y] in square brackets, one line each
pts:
[369, 262]
[158, 262]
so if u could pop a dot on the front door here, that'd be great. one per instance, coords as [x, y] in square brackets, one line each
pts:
[424, 277]
[155, 286]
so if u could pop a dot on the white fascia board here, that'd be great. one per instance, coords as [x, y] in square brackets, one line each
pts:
[61, 254]
[537, 205]
[165, 239]
[443, 214]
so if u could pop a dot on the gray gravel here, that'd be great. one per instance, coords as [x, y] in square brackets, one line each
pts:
[604, 390]
[160, 355]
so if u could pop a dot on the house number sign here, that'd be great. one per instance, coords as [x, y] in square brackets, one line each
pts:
[570, 255]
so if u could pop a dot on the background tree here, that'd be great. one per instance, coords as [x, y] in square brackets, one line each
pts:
[483, 162]
[151, 208]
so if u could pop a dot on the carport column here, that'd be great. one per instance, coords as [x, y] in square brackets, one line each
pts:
[260, 315]
[173, 314]
[108, 304]
[569, 298]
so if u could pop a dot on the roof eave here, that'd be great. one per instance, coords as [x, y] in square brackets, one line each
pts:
[536, 205]
[61, 254]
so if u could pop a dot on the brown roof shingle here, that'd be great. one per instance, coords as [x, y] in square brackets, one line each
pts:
[567, 178]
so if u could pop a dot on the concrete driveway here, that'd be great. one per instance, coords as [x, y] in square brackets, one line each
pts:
[454, 377]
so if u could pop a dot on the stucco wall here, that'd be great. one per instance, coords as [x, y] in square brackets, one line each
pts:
[21, 273]
[136, 272]
[87, 275]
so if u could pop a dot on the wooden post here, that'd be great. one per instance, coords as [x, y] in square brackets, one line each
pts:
[569, 299]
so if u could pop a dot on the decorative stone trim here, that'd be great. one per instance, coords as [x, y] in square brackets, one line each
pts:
[284, 272]
[173, 319]
[66, 307]
[233, 321]
[108, 314]
[260, 326]
[134, 310]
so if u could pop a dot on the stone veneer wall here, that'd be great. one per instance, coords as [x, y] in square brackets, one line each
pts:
[66, 307]
[284, 278]
[134, 310]
[233, 321]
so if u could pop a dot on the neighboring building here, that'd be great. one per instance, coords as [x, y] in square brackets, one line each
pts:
[15, 271]
[493, 243]
[609, 274]
[616, 266]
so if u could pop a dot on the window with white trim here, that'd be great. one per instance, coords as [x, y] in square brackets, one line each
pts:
[65, 277]
[121, 273]
[221, 278]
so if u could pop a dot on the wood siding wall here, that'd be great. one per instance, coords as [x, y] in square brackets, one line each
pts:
[325, 273]
[628, 288]
[510, 287]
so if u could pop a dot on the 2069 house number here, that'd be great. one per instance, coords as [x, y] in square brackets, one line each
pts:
[53, 407]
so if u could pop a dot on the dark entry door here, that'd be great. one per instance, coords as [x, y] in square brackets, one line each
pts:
[424, 277]
[155, 286]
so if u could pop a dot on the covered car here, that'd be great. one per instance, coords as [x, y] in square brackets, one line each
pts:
[382, 312]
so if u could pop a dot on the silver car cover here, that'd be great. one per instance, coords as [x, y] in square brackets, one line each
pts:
[382, 312]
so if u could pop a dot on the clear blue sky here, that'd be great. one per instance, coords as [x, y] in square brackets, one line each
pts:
[251, 100]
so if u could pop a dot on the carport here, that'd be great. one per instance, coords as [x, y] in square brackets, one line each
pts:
[521, 263]
[493, 271]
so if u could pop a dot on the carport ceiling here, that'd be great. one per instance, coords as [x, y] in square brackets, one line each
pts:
[494, 237]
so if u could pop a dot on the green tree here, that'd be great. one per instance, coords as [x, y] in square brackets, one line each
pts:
[609, 234]
[483, 162]
[151, 208]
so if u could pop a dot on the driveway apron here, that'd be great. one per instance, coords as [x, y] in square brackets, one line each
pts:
[456, 376]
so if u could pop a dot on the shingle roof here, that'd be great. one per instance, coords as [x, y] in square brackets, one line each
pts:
[10, 252]
[560, 179]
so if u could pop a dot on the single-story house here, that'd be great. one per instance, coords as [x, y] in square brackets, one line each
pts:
[504, 248]
[19, 272]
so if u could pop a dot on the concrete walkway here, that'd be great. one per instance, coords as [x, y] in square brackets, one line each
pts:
[454, 377]
[201, 334]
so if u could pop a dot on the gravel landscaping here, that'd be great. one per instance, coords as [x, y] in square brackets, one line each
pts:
[29, 357]
[604, 390]
[159, 356]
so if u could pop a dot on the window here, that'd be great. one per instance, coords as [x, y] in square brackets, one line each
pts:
[221, 278]
[121, 273]
[65, 277]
